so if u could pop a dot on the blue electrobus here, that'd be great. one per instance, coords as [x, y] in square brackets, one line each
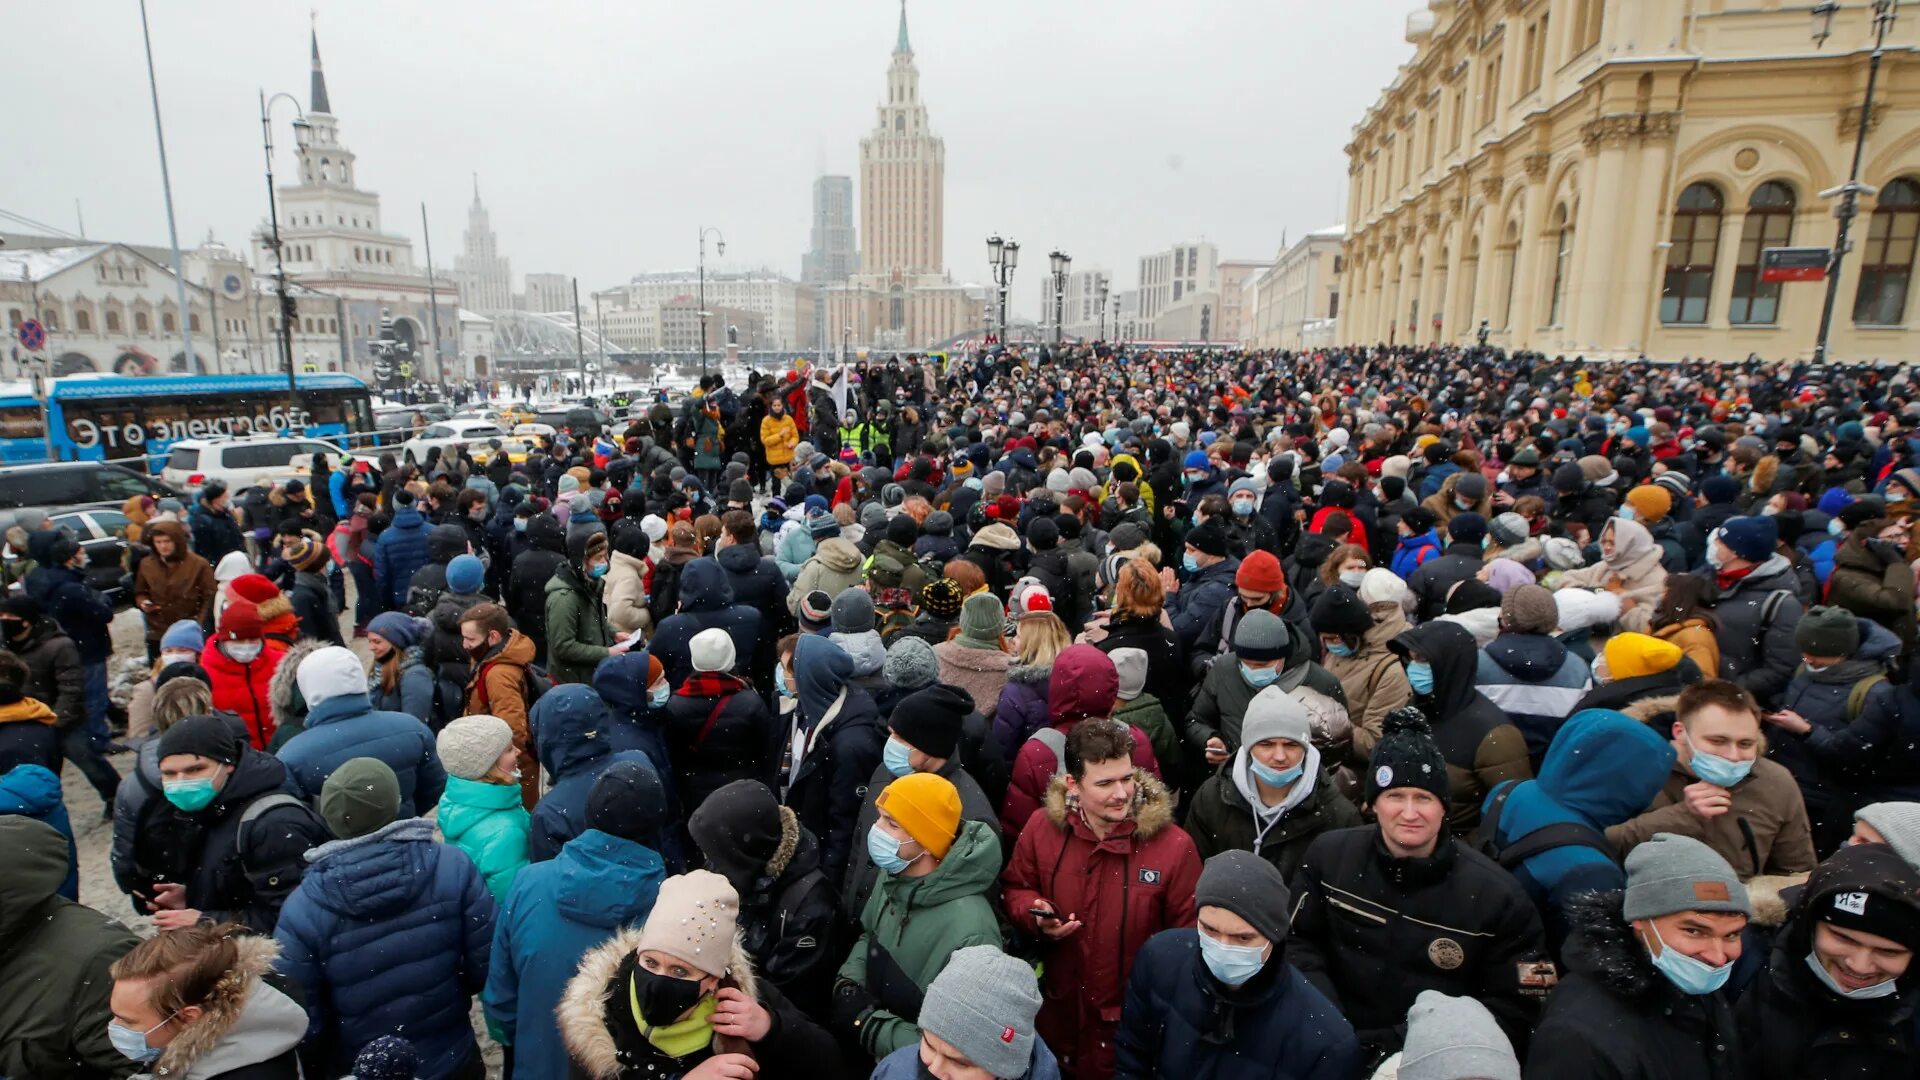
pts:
[135, 420]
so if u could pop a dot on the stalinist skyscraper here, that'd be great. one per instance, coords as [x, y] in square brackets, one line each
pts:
[902, 298]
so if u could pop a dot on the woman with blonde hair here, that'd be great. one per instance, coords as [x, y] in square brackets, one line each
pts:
[203, 1002]
[1038, 638]
[975, 658]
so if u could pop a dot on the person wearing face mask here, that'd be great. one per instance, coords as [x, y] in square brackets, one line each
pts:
[936, 873]
[1722, 790]
[1247, 530]
[1199, 595]
[578, 635]
[679, 996]
[1482, 747]
[717, 727]
[494, 669]
[1353, 645]
[1838, 994]
[1275, 795]
[181, 643]
[55, 984]
[1647, 965]
[204, 1001]
[1462, 560]
[221, 837]
[1204, 1000]
[389, 932]
[1461, 493]
[1871, 575]
[399, 679]
[1267, 651]
[480, 812]
[1755, 605]
[240, 664]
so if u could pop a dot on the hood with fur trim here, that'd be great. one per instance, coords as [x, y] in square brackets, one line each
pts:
[582, 1012]
[283, 693]
[246, 1020]
[1152, 805]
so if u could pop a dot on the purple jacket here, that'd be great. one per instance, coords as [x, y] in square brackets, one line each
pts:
[1023, 706]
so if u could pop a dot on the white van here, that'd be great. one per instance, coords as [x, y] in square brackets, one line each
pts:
[242, 461]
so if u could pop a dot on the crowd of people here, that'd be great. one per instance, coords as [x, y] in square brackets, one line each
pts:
[1082, 713]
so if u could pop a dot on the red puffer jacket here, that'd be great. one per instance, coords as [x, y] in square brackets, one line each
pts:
[1084, 684]
[242, 688]
[1126, 888]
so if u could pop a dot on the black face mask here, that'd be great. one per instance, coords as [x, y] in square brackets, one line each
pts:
[17, 630]
[663, 998]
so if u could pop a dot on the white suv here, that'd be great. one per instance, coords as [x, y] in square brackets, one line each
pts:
[448, 434]
[240, 462]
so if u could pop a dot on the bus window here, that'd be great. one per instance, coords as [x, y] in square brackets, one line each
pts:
[20, 422]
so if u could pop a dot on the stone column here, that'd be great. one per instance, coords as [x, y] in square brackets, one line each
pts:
[1634, 308]
[1430, 275]
[1592, 290]
[1527, 287]
[1726, 256]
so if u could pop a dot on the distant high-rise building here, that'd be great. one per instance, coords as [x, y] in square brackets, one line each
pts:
[486, 276]
[549, 292]
[833, 257]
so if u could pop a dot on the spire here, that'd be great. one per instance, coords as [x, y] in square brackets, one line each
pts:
[476, 189]
[319, 95]
[900, 46]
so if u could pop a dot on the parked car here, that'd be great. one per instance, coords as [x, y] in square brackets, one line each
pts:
[103, 535]
[58, 485]
[238, 462]
[395, 424]
[476, 435]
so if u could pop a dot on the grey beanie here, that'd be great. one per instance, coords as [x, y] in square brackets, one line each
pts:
[1671, 873]
[470, 745]
[1131, 665]
[1272, 714]
[1059, 481]
[1455, 1038]
[1262, 635]
[852, 612]
[873, 517]
[911, 664]
[1899, 822]
[984, 1002]
[1508, 529]
[1250, 887]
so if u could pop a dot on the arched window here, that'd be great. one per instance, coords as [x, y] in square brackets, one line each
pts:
[1562, 264]
[1508, 269]
[1695, 238]
[83, 320]
[113, 322]
[1769, 224]
[141, 324]
[193, 322]
[1886, 259]
[50, 317]
[167, 322]
[15, 317]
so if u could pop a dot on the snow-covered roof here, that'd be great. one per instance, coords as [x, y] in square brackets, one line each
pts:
[1336, 232]
[474, 317]
[42, 263]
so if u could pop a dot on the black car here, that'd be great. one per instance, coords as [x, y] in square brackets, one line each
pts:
[84, 497]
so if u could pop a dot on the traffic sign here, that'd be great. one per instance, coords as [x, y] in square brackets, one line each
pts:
[1795, 263]
[33, 336]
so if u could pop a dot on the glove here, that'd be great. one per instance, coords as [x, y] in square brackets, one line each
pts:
[851, 1007]
[1887, 550]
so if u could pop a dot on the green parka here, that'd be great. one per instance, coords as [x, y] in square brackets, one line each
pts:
[578, 634]
[488, 823]
[920, 922]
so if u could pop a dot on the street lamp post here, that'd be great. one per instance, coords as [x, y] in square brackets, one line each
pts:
[1061, 263]
[302, 131]
[720, 248]
[1884, 12]
[1100, 291]
[1002, 256]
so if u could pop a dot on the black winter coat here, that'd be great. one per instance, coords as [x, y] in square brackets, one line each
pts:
[831, 782]
[1372, 931]
[1483, 748]
[1613, 1017]
[711, 749]
[790, 920]
[527, 586]
[707, 603]
[55, 675]
[313, 606]
[1167, 676]
[1437, 576]
[1221, 819]
[215, 533]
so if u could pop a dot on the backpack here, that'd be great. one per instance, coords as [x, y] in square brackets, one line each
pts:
[1053, 740]
[534, 683]
[1857, 697]
[258, 808]
[1545, 838]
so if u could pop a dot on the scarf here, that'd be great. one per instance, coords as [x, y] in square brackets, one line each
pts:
[683, 1037]
[711, 684]
[1726, 578]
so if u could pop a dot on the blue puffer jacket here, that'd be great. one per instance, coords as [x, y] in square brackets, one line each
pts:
[570, 723]
[1536, 681]
[348, 726]
[1414, 550]
[556, 911]
[1847, 762]
[34, 791]
[389, 934]
[1601, 769]
[792, 549]
[706, 603]
[1201, 600]
[1177, 1022]
[400, 550]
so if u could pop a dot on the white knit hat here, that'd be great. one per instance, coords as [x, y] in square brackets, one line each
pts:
[330, 673]
[693, 920]
[470, 745]
[1382, 586]
[712, 650]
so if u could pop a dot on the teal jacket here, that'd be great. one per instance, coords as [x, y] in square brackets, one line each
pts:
[488, 823]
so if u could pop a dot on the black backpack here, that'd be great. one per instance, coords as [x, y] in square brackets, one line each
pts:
[1545, 838]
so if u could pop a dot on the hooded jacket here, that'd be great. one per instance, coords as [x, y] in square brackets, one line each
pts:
[245, 689]
[578, 636]
[1851, 758]
[251, 1024]
[1373, 678]
[757, 581]
[1535, 680]
[1412, 552]
[389, 935]
[1372, 931]
[706, 603]
[54, 961]
[621, 682]
[1083, 684]
[1221, 703]
[347, 726]
[1756, 652]
[1602, 769]
[1482, 747]
[1022, 708]
[1613, 1015]
[398, 553]
[56, 677]
[569, 730]
[1181, 1021]
[181, 587]
[557, 910]
[526, 597]
[842, 740]
[793, 548]
[718, 737]
[77, 607]
[1128, 886]
[487, 822]
[1436, 577]
[1221, 816]
[497, 686]
[33, 791]
[833, 569]
[1202, 599]
[28, 735]
[1873, 586]
[910, 927]
[1633, 571]
[1794, 1026]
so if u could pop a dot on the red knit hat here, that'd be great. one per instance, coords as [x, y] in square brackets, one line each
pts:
[1260, 572]
[257, 588]
[240, 621]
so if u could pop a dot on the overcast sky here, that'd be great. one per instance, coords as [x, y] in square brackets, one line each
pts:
[604, 133]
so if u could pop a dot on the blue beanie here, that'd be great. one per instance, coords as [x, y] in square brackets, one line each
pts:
[185, 634]
[816, 504]
[1208, 438]
[1850, 431]
[1640, 436]
[398, 627]
[1197, 459]
[1720, 489]
[1751, 538]
[466, 573]
[1835, 500]
[1467, 528]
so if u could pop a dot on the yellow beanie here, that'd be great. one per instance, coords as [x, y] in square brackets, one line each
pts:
[927, 806]
[1630, 655]
[1651, 502]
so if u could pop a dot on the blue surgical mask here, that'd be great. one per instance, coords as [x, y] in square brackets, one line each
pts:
[658, 695]
[1690, 976]
[896, 757]
[972, 482]
[520, 524]
[1191, 564]
[1340, 649]
[1420, 676]
[133, 1044]
[1865, 993]
[1275, 777]
[1231, 964]
[780, 681]
[1243, 507]
[1625, 513]
[884, 850]
[1714, 769]
[597, 570]
[1836, 528]
[190, 795]
[1259, 676]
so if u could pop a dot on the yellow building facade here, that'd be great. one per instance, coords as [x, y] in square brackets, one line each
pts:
[1599, 177]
